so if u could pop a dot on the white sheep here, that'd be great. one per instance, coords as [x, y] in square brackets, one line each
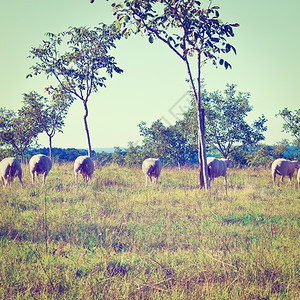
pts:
[9, 169]
[284, 167]
[40, 164]
[298, 178]
[151, 168]
[85, 166]
[218, 167]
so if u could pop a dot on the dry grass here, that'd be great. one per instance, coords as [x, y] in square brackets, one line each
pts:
[117, 239]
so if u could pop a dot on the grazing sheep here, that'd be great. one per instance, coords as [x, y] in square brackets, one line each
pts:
[218, 167]
[284, 167]
[85, 166]
[40, 164]
[298, 178]
[151, 168]
[9, 169]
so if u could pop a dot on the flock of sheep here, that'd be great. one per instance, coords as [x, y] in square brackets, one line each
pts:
[151, 167]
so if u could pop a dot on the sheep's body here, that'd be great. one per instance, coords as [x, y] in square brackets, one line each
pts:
[218, 167]
[85, 166]
[40, 164]
[284, 167]
[9, 169]
[298, 179]
[151, 168]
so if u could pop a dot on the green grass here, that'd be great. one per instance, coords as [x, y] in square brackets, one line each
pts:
[117, 239]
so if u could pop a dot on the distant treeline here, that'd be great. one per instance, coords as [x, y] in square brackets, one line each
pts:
[261, 155]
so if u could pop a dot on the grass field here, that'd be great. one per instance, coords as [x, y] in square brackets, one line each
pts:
[117, 239]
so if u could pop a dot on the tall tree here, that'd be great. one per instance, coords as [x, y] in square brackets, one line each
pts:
[226, 127]
[291, 123]
[76, 58]
[195, 34]
[18, 130]
[50, 113]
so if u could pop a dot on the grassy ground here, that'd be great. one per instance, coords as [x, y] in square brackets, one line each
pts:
[117, 239]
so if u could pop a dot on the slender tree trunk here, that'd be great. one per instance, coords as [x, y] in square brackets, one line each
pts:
[22, 157]
[50, 146]
[87, 129]
[203, 170]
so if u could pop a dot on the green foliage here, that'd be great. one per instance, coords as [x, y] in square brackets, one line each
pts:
[291, 123]
[117, 239]
[188, 30]
[225, 122]
[50, 114]
[78, 59]
[134, 155]
[263, 156]
[18, 130]
[118, 156]
[171, 144]
[202, 31]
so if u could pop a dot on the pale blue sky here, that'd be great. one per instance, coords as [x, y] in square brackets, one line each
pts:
[266, 65]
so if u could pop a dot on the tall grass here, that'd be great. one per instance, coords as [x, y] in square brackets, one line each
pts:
[117, 239]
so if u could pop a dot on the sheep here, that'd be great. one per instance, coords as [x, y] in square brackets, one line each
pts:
[40, 164]
[218, 167]
[298, 178]
[151, 168]
[9, 169]
[85, 166]
[284, 167]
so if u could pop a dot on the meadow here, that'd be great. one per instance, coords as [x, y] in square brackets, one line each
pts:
[117, 239]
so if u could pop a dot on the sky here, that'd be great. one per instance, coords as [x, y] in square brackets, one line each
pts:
[153, 84]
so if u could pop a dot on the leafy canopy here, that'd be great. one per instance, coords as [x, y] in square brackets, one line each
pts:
[75, 58]
[226, 124]
[184, 26]
[291, 122]
[18, 130]
[49, 112]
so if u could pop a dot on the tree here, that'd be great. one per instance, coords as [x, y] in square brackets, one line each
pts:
[50, 113]
[75, 58]
[156, 139]
[188, 30]
[280, 148]
[226, 125]
[262, 156]
[291, 122]
[134, 155]
[171, 143]
[117, 156]
[18, 130]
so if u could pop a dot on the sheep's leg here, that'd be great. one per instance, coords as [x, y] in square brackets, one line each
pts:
[76, 177]
[146, 180]
[281, 180]
[3, 181]
[274, 177]
[20, 179]
[225, 184]
[44, 177]
[290, 177]
[32, 177]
